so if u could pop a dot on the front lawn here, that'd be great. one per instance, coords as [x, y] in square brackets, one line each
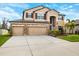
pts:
[3, 39]
[71, 38]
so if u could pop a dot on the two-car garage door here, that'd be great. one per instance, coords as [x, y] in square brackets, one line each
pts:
[19, 30]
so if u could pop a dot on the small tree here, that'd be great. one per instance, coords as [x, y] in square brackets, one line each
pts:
[4, 23]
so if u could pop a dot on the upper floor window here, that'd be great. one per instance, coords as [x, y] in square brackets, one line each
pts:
[40, 16]
[60, 18]
[29, 15]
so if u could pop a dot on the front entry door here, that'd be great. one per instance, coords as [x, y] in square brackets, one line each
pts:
[52, 22]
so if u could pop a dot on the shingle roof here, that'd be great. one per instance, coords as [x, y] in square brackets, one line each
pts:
[61, 14]
[40, 8]
[32, 8]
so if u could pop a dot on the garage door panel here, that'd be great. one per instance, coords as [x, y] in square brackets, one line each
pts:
[37, 31]
[17, 30]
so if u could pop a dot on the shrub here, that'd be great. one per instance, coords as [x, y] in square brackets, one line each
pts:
[54, 32]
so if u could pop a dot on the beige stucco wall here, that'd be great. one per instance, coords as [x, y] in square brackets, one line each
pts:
[41, 11]
[30, 11]
[61, 23]
[50, 13]
[53, 13]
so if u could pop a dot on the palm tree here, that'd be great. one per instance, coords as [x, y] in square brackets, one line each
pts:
[70, 25]
[67, 25]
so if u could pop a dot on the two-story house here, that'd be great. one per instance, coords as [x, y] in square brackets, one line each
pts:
[36, 21]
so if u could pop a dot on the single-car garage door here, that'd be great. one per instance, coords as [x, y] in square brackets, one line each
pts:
[17, 30]
[37, 31]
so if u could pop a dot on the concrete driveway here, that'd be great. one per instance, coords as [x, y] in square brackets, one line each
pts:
[38, 46]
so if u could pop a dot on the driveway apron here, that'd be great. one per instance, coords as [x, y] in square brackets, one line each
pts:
[38, 46]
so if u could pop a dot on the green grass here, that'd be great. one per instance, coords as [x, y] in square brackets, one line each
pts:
[3, 39]
[71, 38]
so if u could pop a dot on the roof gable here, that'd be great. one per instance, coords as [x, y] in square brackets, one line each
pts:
[39, 8]
[35, 8]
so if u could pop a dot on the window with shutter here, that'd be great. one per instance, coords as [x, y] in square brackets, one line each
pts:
[32, 15]
[26, 15]
[45, 16]
[35, 15]
[29, 15]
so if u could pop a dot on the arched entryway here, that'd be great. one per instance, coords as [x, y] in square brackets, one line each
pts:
[52, 22]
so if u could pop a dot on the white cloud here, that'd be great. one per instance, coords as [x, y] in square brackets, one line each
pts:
[70, 14]
[65, 7]
[70, 6]
[21, 5]
[9, 13]
[7, 9]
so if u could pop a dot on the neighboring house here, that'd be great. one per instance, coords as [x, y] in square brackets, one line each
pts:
[76, 29]
[37, 21]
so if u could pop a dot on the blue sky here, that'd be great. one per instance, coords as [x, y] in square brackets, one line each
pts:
[13, 11]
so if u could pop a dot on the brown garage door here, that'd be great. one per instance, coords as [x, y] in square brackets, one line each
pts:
[37, 31]
[17, 30]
